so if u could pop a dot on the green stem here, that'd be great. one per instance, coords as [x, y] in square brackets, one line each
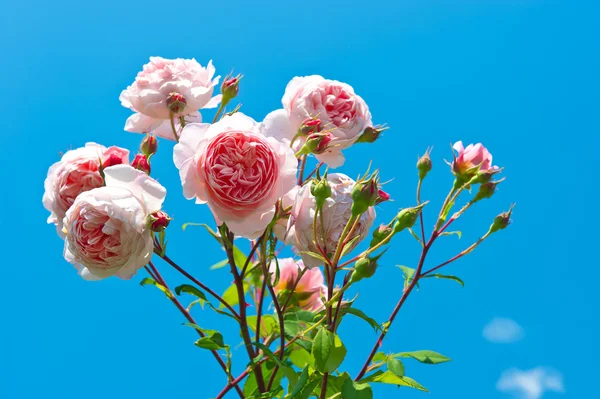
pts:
[221, 108]
[172, 119]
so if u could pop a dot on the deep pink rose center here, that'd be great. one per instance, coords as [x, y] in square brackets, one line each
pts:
[241, 169]
[341, 106]
[81, 176]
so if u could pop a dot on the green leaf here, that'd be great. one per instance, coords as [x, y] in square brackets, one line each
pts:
[231, 296]
[425, 356]
[300, 357]
[212, 341]
[415, 236]
[149, 281]
[360, 314]
[239, 257]
[190, 289]
[380, 357]
[267, 352]
[307, 392]
[387, 377]
[314, 255]
[436, 275]
[409, 273]
[268, 324]
[328, 350]
[449, 233]
[219, 265]
[301, 383]
[354, 390]
[395, 366]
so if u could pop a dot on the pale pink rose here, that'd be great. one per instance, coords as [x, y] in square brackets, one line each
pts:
[107, 232]
[159, 82]
[308, 289]
[76, 172]
[339, 109]
[236, 168]
[336, 213]
[471, 157]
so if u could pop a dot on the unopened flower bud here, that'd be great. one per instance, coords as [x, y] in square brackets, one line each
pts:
[364, 194]
[318, 143]
[158, 221]
[486, 190]
[230, 88]
[140, 162]
[176, 103]
[321, 190]
[365, 268]
[501, 221]
[149, 145]
[485, 176]
[407, 217]
[370, 134]
[310, 125]
[380, 234]
[424, 165]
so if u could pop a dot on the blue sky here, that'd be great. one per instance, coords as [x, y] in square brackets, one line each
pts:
[521, 76]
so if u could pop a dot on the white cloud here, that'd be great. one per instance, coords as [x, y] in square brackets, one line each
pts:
[531, 384]
[503, 331]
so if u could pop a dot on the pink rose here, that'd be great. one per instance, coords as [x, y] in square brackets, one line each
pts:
[470, 158]
[339, 110]
[168, 87]
[76, 172]
[337, 210]
[107, 228]
[236, 168]
[308, 290]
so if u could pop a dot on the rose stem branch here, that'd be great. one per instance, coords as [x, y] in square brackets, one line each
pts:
[456, 216]
[460, 255]
[259, 308]
[420, 213]
[248, 370]
[252, 252]
[313, 172]
[199, 284]
[172, 119]
[189, 317]
[221, 108]
[405, 295]
[301, 171]
[239, 283]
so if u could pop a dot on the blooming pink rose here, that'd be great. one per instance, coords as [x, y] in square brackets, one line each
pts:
[161, 81]
[107, 229]
[339, 110]
[337, 210]
[471, 157]
[236, 168]
[308, 290]
[76, 172]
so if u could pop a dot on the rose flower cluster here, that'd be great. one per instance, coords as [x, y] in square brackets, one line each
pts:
[256, 179]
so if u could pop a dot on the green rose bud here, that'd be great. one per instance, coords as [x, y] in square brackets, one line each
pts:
[407, 217]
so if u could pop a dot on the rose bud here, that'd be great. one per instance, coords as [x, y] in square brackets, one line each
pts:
[176, 103]
[230, 88]
[365, 194]
[382, 196]
[424, 165]
[380, 234]
[365, 268]
[310, 125]
[158, 221]
[407, 217]
[486, 190]
[502, 220]
[149, 145]
[485, 176]
[318, 143]
[470, 160]
[140, 162]
[371, 134]
[321, 190]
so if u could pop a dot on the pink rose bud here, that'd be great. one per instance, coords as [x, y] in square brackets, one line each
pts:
[318, 143]
[310, 125]
[149, 145]
[470, 160]
[230, 88]
[158, 221]
[140, 162]
[382, 196]
[424, 165]
[176, 103]
[371, 134]
[380, 234]
[365, 194]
